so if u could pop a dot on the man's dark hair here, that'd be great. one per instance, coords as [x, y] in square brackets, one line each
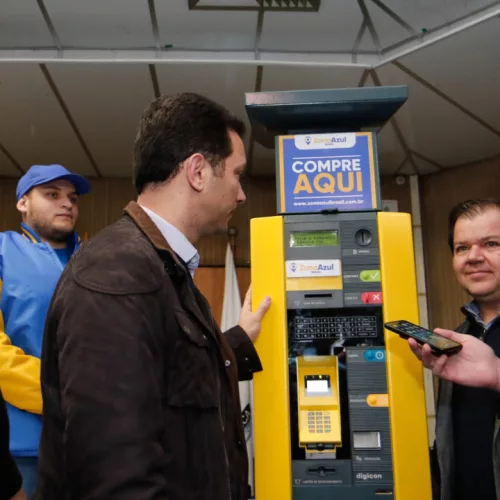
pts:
[173, 128]
[469, 209]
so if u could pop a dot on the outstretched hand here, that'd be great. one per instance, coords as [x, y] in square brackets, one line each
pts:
[475, 365]
[251, 321]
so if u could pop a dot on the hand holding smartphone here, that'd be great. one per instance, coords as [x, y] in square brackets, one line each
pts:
[438, 344]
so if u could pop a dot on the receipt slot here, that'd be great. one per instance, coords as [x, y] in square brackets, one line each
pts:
[339, 409]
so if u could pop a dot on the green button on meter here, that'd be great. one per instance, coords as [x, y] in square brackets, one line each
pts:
[370, 276]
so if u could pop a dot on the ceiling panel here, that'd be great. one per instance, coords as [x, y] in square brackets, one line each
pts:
[330, 29]
[106, 102]
[469, 73]
[435, 128]
[103, 24]
[224, 83]
[205, 30]
[388, 30]
[424, 167]
[277, 78]
[37, 130]
[366, 43]
[7, 168]
[22, 25]
[428, 14]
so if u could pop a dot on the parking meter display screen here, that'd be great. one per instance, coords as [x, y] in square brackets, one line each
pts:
[304, 239]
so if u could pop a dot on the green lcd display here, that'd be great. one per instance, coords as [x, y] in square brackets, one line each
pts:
[302, 239]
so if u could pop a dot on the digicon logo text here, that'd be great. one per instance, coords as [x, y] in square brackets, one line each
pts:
[368, 475]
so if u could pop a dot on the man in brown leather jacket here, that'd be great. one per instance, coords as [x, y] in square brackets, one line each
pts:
[140, 387]
[10, 477]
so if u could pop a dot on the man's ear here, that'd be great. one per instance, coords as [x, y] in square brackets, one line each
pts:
[196, 168]
[22, 205]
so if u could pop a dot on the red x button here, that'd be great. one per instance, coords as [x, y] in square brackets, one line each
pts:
[371, 297]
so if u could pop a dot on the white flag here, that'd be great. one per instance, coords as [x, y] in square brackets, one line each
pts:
[231, 308]
[231, 305]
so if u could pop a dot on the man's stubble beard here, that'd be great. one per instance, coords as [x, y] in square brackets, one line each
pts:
[487, 297]
[48, 233]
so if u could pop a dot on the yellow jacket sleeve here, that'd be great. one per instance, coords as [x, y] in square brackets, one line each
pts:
[19, 375]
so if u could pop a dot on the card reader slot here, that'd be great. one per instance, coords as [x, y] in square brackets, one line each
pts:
[318, 295]
[320, 426]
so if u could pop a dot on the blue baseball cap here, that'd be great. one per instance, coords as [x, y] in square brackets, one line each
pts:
[41, 174]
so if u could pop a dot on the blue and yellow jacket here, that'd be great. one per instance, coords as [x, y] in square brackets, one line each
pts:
[29, 272]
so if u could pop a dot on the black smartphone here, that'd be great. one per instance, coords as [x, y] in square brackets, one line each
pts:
[438, 343]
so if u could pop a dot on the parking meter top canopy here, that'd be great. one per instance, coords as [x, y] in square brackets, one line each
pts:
[325, 142]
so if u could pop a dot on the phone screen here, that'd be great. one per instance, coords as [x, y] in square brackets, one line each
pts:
[435, 340]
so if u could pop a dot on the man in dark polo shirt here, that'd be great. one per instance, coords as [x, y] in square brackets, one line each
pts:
[467, 445]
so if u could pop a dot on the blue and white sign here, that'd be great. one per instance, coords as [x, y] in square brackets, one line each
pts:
[312, 268]
[318, 172]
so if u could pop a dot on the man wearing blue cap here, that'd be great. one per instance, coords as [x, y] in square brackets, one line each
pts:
[31, 263]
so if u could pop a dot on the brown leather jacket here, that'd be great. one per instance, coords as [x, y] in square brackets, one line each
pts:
[140, 387]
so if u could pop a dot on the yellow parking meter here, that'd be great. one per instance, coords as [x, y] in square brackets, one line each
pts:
[339, 408]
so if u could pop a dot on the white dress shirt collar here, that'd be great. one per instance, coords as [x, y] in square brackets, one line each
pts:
[179, 243]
